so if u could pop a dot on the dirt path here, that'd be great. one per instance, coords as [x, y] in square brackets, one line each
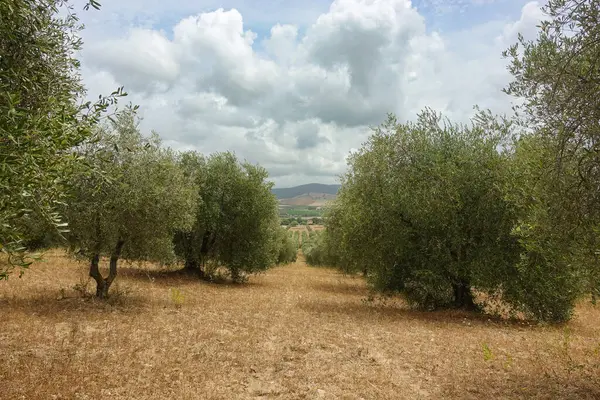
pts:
[295, 332]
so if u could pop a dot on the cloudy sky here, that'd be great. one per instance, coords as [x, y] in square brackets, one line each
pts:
[295, 84]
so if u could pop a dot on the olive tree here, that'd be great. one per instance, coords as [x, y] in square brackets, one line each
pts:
[557, 79]
[287, 248]
[237, 219]
[552, 272]
[441, 211]
[317, 249]
[130, 202]
[41, 118]
[421, 210]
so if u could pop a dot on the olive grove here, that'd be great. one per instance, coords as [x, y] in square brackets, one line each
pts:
[82, 175]
[449, 214]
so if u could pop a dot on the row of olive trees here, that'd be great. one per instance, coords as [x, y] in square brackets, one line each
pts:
[104, 189]
[316, 251]
[443, 212]
[288, 249]
[132, 198]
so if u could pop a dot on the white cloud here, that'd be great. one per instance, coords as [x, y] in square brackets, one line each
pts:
[282, 44]
[300, 98]
[531, 15]
[145, 59]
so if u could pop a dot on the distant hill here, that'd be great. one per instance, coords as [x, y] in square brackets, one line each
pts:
[309, 199]
[312, 189]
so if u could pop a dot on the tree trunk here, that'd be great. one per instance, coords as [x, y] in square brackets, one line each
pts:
[103, 284]
[114, 257]
[101, 291]
[463, 297]
[235, 275]
[191, 265]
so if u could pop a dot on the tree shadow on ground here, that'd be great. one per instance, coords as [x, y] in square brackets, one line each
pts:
[51, 303]
[399, 310]
[179, 277]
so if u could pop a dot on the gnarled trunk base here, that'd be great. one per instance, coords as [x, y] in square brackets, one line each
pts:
[463, 297]
[103, 284]
[102, 287]
[193, 267]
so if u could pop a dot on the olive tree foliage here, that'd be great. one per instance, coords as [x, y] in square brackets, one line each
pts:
[319, 250]
[440, 212]
[130, 202]
[288, 249]
[557, 78]
[422, 211]
[237, 221]
[41, 118]
[557, 253]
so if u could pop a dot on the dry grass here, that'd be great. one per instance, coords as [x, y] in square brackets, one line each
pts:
[295, 332]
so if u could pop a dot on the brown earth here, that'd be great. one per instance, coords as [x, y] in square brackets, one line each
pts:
[295, 332]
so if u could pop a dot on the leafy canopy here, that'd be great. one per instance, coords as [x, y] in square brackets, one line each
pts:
[135, 192]
[237, 220]
[128, 200]
[40, 117]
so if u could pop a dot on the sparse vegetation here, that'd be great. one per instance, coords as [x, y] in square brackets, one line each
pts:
[287, 334]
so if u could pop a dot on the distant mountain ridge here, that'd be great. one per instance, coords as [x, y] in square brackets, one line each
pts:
[311, 188]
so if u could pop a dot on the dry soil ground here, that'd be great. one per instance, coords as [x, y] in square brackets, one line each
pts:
[295, 332]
